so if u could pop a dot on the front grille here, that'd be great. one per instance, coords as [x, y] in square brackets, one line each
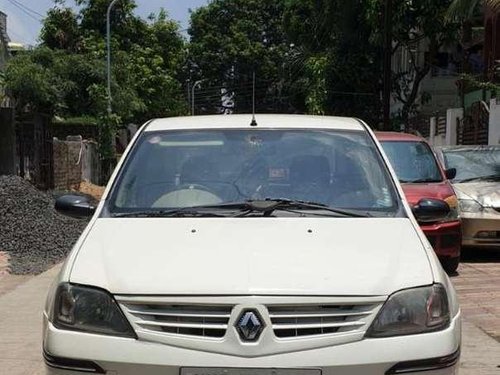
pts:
[189, 320]
[211, 323]
[310, 320]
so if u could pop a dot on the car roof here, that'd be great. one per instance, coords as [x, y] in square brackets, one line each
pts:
[263, 121]
[398, 137]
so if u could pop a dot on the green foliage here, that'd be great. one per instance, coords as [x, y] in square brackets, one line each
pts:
[316, 72]
[472, 83]
[108, 124]
[66, 75]
[315, 56]
[82, 120]
[331, 40]
[464, 10]
[310, 56]
[124, 23]
[415, 24]
[30, 81]
[231, 39]
[60, 29]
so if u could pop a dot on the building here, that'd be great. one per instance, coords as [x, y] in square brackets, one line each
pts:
[4, 40]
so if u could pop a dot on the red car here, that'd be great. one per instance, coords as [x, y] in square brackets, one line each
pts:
[422, 176]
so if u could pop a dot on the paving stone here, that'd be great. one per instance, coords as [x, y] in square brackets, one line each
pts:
[478, 287]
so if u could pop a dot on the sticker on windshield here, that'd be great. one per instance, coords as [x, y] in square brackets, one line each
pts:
[278, 173]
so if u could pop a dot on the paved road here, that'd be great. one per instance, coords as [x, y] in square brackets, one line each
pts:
[20, 326]
[478, 284]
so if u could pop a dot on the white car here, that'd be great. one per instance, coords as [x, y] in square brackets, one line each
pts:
[226, 246]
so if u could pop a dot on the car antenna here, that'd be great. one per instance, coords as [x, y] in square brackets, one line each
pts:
[254, 121]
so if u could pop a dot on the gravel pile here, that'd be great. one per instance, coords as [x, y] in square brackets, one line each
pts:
[33, 234]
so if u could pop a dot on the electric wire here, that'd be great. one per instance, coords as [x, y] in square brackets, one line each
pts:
[25, 11]
[28, 8]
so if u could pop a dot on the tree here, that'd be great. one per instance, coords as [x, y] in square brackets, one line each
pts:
[415, 24]
[147, 58]
[30, 82]
[232, 39]
[66, 75]
[462, 10]
[334, 61]
[60, 29]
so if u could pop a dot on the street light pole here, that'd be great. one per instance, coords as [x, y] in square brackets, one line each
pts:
[197, 83]
[108, 45]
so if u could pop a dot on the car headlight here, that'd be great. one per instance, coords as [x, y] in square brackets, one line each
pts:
[470, 205]
[89, 310]
[413, 311]
[453, 203]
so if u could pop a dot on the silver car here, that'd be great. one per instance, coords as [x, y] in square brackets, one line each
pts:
[477, 185]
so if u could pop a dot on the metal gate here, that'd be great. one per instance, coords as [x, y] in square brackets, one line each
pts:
[473, 128]
[34, 149]
[419, 125]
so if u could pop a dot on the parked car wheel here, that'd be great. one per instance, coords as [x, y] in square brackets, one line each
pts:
[450, 265]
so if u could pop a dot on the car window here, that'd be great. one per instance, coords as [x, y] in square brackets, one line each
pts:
[172, 169]
[473, 163]
[413, 161]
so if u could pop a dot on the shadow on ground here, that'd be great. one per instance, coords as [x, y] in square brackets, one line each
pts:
[480, 255]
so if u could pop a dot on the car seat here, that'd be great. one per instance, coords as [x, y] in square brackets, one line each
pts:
[310, 178]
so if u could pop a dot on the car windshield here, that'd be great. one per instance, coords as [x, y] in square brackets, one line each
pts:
[413, 162]
[473, 164]
[182, 169]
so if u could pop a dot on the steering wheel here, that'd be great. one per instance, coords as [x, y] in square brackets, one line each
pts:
[188, 194]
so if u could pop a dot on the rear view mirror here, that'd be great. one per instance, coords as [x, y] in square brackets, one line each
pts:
[451, 173]
[76, 205]
[431, 210]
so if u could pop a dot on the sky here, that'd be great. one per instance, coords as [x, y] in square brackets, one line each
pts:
[24, 16]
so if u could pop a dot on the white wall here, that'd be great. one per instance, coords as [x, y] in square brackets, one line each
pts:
[434, 138]
[453, 117]
[494, 125]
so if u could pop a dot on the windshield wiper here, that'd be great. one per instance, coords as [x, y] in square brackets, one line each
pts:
[268, 206]
[181, 212]
[493, 177]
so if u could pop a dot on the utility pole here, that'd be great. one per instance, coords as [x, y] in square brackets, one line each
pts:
[108, 45]
[386, 96]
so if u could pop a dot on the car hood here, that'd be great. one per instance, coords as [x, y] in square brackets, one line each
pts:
[486, 193]
[252, 256]
[436, 190]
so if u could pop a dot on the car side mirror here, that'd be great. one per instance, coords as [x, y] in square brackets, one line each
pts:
[451, 173]
[431, 210]
[76, 205]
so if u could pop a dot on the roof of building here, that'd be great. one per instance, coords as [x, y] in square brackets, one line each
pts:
[263, 121]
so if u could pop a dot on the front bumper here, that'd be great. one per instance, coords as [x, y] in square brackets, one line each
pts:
[445, 238]
[474, 223]
[121, 356]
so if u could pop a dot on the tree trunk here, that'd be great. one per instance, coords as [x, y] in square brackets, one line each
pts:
[410, 102]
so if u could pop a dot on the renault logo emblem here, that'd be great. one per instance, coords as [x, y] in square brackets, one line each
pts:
[249, 325]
